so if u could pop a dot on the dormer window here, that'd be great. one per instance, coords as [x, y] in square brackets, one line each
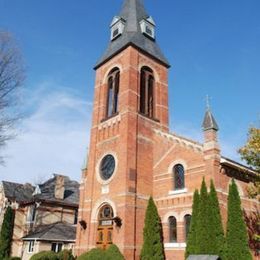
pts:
[117, 27]
[148, 27]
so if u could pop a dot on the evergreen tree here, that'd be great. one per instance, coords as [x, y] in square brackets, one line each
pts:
[6, 233]
[202, 237]
[236, 238]
[152, 235]
[216, 233]
[192, 247]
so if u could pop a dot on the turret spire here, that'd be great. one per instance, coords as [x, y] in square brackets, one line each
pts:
[133, 27]
[209, 121]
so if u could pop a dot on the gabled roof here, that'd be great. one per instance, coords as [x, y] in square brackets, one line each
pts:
[18, 192]
[242, 171]
[25, 193]
[209, 121]
[59, 231]
[71, 191]
[133, 12]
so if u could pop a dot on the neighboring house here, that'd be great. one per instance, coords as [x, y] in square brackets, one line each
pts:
[45, 215]
[133, 153]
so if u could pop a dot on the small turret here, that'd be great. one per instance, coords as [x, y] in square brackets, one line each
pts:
[210, 127]
[211, 146]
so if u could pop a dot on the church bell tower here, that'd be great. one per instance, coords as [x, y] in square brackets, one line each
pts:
[130, 102]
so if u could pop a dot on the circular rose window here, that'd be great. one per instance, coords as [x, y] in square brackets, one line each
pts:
[107, 167]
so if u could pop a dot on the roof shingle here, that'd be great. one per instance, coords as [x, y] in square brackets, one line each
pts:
[133, 12]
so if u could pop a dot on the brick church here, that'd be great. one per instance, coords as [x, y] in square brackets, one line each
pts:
[133, 154]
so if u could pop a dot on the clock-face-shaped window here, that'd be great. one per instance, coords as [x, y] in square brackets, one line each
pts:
[107, 167]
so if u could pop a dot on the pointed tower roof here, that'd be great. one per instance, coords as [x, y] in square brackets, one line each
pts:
[132, 13]
[209, 121]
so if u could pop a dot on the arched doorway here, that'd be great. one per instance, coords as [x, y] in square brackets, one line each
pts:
[105, 227]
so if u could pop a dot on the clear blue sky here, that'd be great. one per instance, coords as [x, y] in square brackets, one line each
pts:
[213, 47]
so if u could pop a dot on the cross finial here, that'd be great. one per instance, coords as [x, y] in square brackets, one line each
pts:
[208, 102]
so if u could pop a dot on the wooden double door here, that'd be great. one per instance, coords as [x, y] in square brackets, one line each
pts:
[105, 237]
[105, 227]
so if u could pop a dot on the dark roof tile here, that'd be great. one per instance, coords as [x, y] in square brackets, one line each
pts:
[17, 191]
[133, 12]
[59, 231]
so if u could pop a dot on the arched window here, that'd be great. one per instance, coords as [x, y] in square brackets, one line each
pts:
[105, 213]
[178, 172]
[172, 229]
[187, 220]
[147, 92]
[112, 93]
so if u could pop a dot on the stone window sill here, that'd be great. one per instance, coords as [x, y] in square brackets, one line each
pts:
[175, 192]
[174, 245]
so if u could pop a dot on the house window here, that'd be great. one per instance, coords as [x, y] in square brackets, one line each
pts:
[75, 216]
[187, 220]
[112, 93]
[56, 247]
[31, 246]
[147, 92]
[172, 229]
[178, 172]
[31, 216]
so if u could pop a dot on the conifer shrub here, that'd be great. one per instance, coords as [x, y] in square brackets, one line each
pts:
[236, 235]
[192, 247]
[113, 253]
[216, 232]
[6, 233]
[152, 234]
[93, 254]
[202, 234]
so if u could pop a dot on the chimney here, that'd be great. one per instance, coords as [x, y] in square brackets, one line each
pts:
[59, 187]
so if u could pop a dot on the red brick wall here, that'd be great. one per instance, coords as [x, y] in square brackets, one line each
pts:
[146, 154]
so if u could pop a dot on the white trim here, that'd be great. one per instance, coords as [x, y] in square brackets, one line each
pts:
[171, 214]
[109, 69]
[100, 203]
[174, 245]
[184, 213]
[31, 246]
[175, 192]
[155, 73]
[178, 161]
[49, 240]
[99, 179]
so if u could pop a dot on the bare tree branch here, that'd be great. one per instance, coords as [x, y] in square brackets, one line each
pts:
[11, 79]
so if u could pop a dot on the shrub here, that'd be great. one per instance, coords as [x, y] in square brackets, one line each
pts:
[6, 233]
[65, 255]
[236, 238]
[93, 254]
[203, 228]
[192, 247]
[45, 255]
[13, 258]
[113, 253]
[216, 232]
[152, 235]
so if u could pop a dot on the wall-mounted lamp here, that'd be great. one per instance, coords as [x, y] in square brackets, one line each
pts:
[118, 221]
[83, 224]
